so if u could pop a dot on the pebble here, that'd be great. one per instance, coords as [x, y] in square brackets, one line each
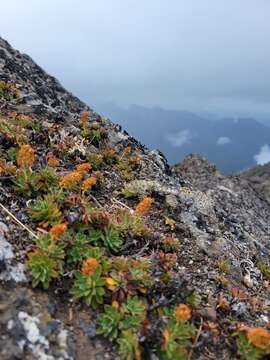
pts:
[248, 281]
[208, 313]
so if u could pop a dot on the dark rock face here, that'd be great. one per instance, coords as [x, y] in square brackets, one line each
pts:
[30, 330]
[259, 177]
[41, 93]
[243, 213]
[214, 217]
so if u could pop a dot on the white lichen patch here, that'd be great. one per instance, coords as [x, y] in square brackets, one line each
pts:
[32, 331]
[34, 340]
[15, 273]
[12, 271]
[37, 343]
[6, 252]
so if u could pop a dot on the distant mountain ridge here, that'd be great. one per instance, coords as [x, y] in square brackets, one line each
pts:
[231, 144]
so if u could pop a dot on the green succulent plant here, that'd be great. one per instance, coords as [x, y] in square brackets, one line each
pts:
[134, 311]
[12, 132]
[43, 268]
[127, 222]
[46, 179]
[55, 249]
[96, 160]
[109, 237]
[193, 299]
[112, 239]
[109, 322]
[264, 268]
[46, 263]
[25, 183]
[94, 132]
[45, 210]
[141, 276]
[134, 306]
[245, 349]
[123, 323]
[81, 249]
[89, 288]
[129, 347]
[177, 336]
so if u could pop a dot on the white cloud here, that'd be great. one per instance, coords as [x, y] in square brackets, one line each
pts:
[180, 138]
[263, 156]
[223, 140]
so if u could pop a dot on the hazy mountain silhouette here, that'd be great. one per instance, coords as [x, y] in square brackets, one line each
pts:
[231, 144]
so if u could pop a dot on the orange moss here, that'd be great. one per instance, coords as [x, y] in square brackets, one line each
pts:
[84, 117]
[52, 160]
[88, 183]
[58, 230]
[259, 337]
[82, 168]
[26, 155]
[182, 313]
[71, 179]
[89, 265]
[143, 207]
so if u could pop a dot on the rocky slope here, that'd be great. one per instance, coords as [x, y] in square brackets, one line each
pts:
[107, 252]
[259, 177]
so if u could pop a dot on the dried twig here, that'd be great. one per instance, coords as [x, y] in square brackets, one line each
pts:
[42, 231]
[3, 105]
[195, 340]
[95, 200]
[18, 221]
[114, 200]
[7, 177]
[140, 253]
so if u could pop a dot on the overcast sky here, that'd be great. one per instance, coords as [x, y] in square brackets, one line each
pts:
[184, 54]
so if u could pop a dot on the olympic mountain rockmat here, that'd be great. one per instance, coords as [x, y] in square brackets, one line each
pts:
[217, 220]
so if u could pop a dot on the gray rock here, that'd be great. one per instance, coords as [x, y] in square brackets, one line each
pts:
[10, 269]
[208, 313]
[171, 201]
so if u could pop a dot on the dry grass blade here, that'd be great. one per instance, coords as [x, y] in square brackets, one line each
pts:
[196, 340]
[114, 200]
[18, 221]
[95, 200]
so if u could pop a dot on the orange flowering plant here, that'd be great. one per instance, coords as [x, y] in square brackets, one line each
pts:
[52, 160]
[70, 180]
[177, 334]
[182, 313]
[89, 265]
[84, 167]
[84, 118]
[88, 183]
[144, 206]
[259, 337]
[58, 230]
[26, 156]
